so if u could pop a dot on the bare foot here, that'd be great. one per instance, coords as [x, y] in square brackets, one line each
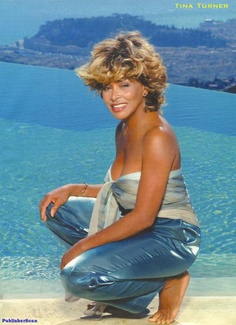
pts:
[170, 299]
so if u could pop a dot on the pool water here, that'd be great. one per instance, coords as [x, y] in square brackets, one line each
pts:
[51, 136]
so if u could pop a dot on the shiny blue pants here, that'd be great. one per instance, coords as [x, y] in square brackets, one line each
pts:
[129, 273]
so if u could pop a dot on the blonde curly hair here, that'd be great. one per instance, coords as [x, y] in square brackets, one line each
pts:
[127, 56]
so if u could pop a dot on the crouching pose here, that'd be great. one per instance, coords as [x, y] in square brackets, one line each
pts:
[134, 236]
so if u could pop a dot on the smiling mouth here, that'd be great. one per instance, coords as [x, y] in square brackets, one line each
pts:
[118, 108]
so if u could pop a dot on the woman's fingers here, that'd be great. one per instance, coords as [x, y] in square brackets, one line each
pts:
[58, 197]
[48, 199]
[54, 209]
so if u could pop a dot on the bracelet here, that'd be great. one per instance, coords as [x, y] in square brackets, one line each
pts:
[84, 189]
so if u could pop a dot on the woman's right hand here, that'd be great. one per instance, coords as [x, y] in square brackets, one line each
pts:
[58, 197]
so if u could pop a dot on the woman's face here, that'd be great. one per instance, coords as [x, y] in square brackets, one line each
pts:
[124, 98]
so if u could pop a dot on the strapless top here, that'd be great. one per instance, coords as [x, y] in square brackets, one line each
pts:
[123, 191]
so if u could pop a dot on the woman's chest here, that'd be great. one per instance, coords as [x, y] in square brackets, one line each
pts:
[128, 160]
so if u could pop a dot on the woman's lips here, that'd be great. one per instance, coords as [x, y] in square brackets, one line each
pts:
[118, 107]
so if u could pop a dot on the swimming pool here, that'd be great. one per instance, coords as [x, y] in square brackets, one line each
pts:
[53, 132]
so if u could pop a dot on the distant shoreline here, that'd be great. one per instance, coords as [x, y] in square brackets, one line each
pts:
[202, 58]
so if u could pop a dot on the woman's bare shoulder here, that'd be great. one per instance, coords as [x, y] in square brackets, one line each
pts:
[161, 144]
[160, 133]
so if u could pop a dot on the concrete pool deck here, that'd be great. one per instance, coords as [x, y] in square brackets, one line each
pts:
[208, 301]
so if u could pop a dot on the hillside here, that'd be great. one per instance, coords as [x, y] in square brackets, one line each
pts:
[83, 33]
[203, 57]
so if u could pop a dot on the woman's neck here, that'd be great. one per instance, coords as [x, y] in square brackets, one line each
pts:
[142, 121]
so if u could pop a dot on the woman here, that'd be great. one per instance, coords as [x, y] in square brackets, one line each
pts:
[143, 232]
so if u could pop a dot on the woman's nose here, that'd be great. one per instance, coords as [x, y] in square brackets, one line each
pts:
[115, 94]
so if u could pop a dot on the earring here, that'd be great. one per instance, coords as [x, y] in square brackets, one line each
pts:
[145, 94]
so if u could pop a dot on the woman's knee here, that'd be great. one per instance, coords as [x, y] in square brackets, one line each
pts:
[84, 284]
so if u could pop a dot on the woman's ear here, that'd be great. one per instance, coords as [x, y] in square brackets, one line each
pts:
[145, 93]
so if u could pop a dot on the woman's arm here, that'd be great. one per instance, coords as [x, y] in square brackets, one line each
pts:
[60, 195]
[158, 154]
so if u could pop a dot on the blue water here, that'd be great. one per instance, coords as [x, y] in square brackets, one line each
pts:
[53, 131]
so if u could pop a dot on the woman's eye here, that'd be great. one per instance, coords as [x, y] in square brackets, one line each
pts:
[106, 87]
[124, 85]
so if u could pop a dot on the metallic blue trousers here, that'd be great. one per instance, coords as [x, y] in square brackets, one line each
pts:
[126, 274]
